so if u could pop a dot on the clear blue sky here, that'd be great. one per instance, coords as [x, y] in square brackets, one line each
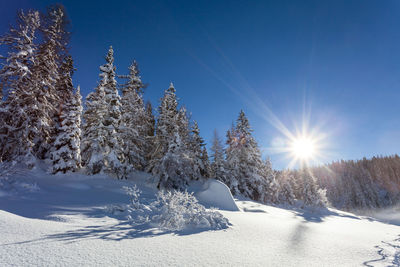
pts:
[338, 62]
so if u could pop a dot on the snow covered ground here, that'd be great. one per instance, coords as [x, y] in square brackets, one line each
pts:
[64, 220]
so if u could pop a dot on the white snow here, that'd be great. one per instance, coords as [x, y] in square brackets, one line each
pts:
[64, 222]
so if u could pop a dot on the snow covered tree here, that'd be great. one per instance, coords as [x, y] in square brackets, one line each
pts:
[170, 160]
[232, 161]
[206, 162]
[134, 119]
[244, 161]
[93, 138]
[182, 121]
[218, 170]
[174, 169]
[102, 147]
[19, 113]
[65, 153]
[150, 124]
[66, 156]
[311, 195]
[151, 121]
[114, 157]
[165, 127]
[286, 194]
[269, 187]
[196, 145]
[48, 62]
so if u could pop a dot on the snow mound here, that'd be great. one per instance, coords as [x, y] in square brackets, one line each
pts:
[213, 193]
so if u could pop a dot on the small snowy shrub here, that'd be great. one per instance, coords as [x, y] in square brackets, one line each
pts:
[180, 210]
[134, 194]
[172, 211]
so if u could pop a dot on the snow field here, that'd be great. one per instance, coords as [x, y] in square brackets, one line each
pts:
[64, 225]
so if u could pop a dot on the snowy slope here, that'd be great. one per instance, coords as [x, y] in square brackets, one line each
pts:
[62, 221]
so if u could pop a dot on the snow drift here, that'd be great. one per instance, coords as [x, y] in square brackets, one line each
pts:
[213, 193]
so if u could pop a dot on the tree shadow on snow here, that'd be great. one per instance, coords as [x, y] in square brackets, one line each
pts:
[317, 215]
[115, 232]
[111, 232]
[121, 231]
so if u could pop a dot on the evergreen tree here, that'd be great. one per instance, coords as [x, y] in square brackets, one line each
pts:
[196, 145]
[134, 126]
[165, 126]
[244, 161]
[114, 160]
[150, 120]
[46, 75]
[232, 160]
[102, 145]
[311, 195]
[170, 162]
[18, 113]
[66, 156]
[93, 138]
[206, 161]
[286, 194]
[218, 164]
[269, 187]
[150, 124]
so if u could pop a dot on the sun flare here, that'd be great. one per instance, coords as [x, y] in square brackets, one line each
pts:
[303, 148]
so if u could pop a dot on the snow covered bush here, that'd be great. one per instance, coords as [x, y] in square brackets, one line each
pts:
[170, 211]
[181, 210]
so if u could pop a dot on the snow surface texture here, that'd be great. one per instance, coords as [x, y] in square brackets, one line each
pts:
[389, 253]
[64, 223]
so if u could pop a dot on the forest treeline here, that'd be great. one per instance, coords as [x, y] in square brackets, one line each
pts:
[114, 131]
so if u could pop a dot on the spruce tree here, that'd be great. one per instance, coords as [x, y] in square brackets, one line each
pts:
[244, 161]
[114, 157]
[311, 195]
[286, 194]
[206, 162]
[66, 156]
[170, 162]
[150, 124]
[102, 147]
[196, 145]
[48, 62]
[167, 115]
[269, 187]
[65, 153]
[218, 165]
[19, 117]
[93, 137]
[134, 119]
[232, 160]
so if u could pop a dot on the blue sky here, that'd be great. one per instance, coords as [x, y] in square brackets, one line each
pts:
[335, 64]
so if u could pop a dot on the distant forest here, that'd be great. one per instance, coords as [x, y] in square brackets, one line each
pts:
[42, 118]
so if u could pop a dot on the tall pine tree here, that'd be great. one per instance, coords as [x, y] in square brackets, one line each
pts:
[18, 113]
[244, 161]
[171, 163]
[218, 165]
[134, 119]
[102, 147]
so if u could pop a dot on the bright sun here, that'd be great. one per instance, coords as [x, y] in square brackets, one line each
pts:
[303, 148]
